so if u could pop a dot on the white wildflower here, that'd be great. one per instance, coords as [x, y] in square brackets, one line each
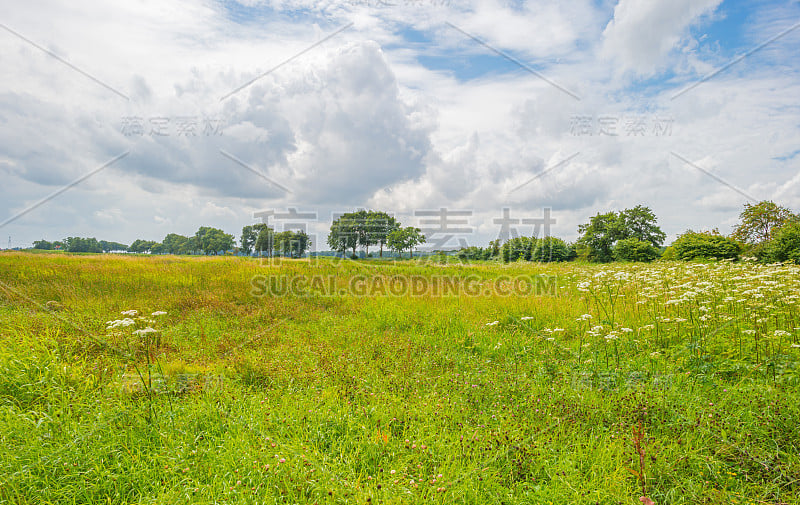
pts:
[119, 322]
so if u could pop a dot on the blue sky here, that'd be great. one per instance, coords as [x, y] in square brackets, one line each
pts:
[402, 111]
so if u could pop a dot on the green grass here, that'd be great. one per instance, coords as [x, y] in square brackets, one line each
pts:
[320, 395]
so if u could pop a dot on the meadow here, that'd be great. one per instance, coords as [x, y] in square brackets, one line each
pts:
[163, 379]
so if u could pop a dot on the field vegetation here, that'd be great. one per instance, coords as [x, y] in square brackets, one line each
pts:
[166, 379]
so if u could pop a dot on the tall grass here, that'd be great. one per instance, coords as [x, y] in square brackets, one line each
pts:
[676, 380]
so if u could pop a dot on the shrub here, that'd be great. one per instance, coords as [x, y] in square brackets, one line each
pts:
[633, 249]
[785, 246]
[704, 245]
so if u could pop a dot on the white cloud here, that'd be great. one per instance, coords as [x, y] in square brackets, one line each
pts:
[360, 121]
[642, 34]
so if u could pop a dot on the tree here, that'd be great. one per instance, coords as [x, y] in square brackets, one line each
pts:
[759, 222]
[141, 246]
[112, 246]
[176, 244]
[518, 248]
[361, 228]
[704, 245]
[552, 249]
[265, 241]
[43, 244]
[79, 244]
[344, 233]
[213, 240]
[405, 238]
[292, 244]
[494, 248]
[381, 225]
[250, 236]
[301, 243]
[599, 236]
[785, 245]
[603, 231]
[633, 249]
[640, 223]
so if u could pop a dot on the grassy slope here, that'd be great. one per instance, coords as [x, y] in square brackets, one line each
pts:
[349, 399]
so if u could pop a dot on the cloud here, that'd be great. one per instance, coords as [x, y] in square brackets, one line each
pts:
[399, 112]
[641, 34]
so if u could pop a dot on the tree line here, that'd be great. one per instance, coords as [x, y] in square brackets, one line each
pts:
[766, 231]
[206, 240]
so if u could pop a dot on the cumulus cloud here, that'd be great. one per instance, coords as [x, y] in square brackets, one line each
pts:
[642, 34]
[399, 112]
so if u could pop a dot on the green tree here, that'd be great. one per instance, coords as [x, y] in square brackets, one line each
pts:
[633, 249]
[361, 228]
[79, 244]
[494, 248]
[381, 225]
[602, 232]
[292, 244]
[301, 243]
[43, 244]
[250, 235]
[112, 246]
[265, 241]
[759, 222]
[552, 249]
[406, 238]
[785, 245]
[176, 244]
[640, 223]
[141, 246]
[213, 240]
[343, 234]
[518, 248]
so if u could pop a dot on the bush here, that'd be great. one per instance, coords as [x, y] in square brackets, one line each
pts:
[552, 249]
[785, 246]
[633, 249]
[669, 253]
[704, 245]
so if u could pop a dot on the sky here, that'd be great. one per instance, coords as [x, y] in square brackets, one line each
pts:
[132, 120]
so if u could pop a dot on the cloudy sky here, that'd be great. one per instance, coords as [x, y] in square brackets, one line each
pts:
[126, 120]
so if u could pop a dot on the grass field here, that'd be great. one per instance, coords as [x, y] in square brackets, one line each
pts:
[379, 382]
